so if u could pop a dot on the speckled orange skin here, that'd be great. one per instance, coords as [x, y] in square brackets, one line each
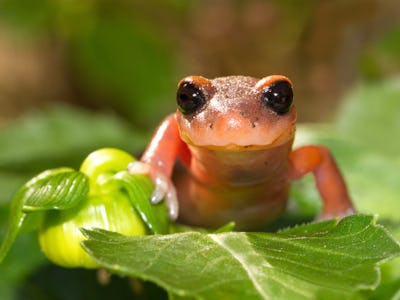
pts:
[239, 157]
[234, 116]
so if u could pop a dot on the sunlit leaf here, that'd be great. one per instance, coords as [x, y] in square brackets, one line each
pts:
[303, 263]
[55, 189]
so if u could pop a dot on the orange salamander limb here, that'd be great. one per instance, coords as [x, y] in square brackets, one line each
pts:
[329, 181]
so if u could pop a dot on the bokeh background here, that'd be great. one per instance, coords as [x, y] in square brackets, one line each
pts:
[126, 56]
[77, 75]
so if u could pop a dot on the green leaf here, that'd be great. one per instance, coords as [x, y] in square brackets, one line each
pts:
[139, 189]
[317, 260]
[60, 188]
[55, 189]
[14, 224]
[57, 136]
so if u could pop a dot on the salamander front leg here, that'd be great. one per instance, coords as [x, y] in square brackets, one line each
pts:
[158, 161]
[329, 181]
[164, 189]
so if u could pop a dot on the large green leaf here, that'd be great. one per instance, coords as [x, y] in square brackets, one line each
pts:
[317, 260]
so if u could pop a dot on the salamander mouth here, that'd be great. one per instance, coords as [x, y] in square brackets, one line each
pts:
[278, 141]
[237, 133]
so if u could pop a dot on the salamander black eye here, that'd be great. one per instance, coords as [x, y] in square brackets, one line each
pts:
[190, 98]
[278, 97]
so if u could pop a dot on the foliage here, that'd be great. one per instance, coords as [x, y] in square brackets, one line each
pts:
[94, 197]
[317, 260]
[356, 156]
[55, 137]
[322, 260]
[352, 247]
[363, 137]
[362, 140]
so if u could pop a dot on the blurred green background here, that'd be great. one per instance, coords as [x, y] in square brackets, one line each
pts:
[77, 75]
